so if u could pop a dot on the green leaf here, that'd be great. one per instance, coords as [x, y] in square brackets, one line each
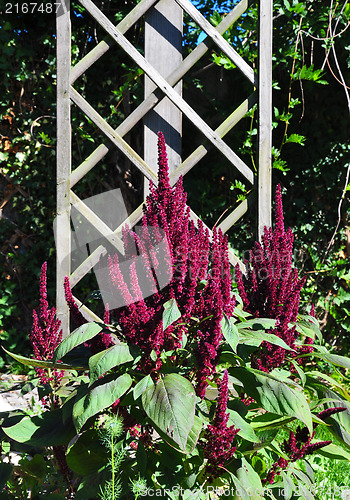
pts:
[334, 452]
[99, 398]
[5, 473]
[230, 332]
[42, 364]
[328, 379]
[90, 485]
[334, 359]
[170, 404]
[79, 336]
[36, 466]
[171, 313]
[299, 371]
[308, 326]
[46, 429]
[192, 439]
[297, 138]
[103, 361]
[268, 421]
[273, 395]
[142, 385]
[245, 430]
[250, 481]
[257, 324]
[256, 338]
[87, 455]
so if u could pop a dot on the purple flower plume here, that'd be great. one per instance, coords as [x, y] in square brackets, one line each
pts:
[297, 447]
[271, 289]
[219, 448]
[103, 339]
[192, 258]
[45, 334]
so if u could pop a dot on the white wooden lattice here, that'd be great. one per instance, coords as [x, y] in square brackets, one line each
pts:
[160, 86]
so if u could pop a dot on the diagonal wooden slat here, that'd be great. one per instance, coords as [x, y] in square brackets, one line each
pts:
[222, 130]
[236, 214]
[86, 266]
[112, 135]
[168, 90]
[156, 96]
[226, 48]
[102, 47]
[86, 312]
[113, 238]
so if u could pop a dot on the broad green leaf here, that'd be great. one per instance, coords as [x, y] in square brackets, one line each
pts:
[238, 490]
[288, 485]
[256, 338]
[87, 455]
[170, 404]
[257, 324]
[46, 429]
[79, 336]
[338, 431]
[99, 398]
[43, 364]
[90, 485]
[142, 385]
[268, 421]
[299, 371]
[245, 429]
[273, 395]
[334, 452]
[103, 361]
[308, 326]
[5, 473]
[250, 481]
[230, 332]
[192, 439]
[171, 313]
[36, 467]
[335, 359]
[329, 379]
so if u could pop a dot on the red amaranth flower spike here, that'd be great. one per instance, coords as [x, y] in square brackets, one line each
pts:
[78, 318]
[271, 289]
[192, 258]
[328, 412]
[219, 448]
[103, 339]
[45, 334]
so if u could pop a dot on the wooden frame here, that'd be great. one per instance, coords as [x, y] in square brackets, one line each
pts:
[163, 90]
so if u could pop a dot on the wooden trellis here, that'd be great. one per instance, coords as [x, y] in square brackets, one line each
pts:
[163, 92]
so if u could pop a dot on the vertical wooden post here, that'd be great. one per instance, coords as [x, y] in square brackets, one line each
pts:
[264, 115]
[63, 231]
[163, 43]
